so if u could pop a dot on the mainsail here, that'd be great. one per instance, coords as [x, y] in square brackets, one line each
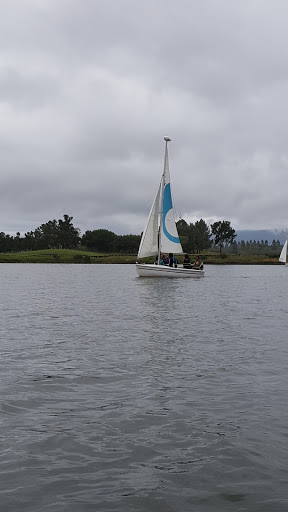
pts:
[283, 254]
[160, 234]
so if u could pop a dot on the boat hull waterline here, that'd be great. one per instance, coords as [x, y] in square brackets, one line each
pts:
[151, 270]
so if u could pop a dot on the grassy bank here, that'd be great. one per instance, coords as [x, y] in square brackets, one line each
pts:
[240, 259]
[64, 256]
[76, 256]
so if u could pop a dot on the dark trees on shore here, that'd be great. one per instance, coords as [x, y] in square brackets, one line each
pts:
[53, 234]
[194, 237]
[102, 240]
[223, 232]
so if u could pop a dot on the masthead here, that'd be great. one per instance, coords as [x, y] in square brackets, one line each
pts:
[167, 139]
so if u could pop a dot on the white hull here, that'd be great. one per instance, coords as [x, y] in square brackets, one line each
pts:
[150, 270]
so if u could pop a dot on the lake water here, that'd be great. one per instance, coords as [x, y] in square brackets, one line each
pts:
[127, 394]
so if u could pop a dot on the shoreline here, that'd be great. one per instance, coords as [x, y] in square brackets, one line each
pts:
[77, 256]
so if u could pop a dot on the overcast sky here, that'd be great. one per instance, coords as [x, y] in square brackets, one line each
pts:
[88, 89]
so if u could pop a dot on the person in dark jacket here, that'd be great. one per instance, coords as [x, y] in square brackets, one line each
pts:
[187, 261]
[173, 262]
[165, 259]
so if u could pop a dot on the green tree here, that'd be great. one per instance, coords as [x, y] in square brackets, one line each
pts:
[202, 235]
[223, 232]
[234, 247]
[128, 244]
[48, 234]
[68, 236]
[30, 242]
[6, 242]
[100, 240]
[275, 246]
[53, 235]
[186, 235]
[17, 242]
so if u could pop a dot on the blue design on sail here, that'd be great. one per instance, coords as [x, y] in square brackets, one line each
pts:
[167, 206]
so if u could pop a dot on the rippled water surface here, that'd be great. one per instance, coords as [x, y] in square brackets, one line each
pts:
[121, 393]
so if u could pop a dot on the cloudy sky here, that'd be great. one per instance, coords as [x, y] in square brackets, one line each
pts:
[88, 89]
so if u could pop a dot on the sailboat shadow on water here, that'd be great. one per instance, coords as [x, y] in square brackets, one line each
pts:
[160, 235]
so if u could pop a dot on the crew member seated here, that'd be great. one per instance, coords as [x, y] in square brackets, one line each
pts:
[187, 262]
[173, 262]
[198, 264]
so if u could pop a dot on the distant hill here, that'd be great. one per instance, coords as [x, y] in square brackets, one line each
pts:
[261, 234]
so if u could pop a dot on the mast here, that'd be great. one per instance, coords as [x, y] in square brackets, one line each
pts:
[161, 196]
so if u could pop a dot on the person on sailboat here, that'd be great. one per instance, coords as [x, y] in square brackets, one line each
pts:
[198, 264]
[187, 262]
[173, 262]
[165, 259]
[161, 262]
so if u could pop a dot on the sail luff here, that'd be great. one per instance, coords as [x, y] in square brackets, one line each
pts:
[149, 241]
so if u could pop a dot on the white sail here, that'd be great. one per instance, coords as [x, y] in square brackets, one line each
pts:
[149, 241]
[283, 254]
[161, 226]
[169, 236]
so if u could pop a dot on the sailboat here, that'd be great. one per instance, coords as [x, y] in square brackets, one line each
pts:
[160, 235]
[283, 254]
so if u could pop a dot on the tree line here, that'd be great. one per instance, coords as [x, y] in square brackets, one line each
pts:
[198, 237]
[61, 234]
[195, 238]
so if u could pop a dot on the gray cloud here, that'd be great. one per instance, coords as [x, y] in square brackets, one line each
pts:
[88, 90]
